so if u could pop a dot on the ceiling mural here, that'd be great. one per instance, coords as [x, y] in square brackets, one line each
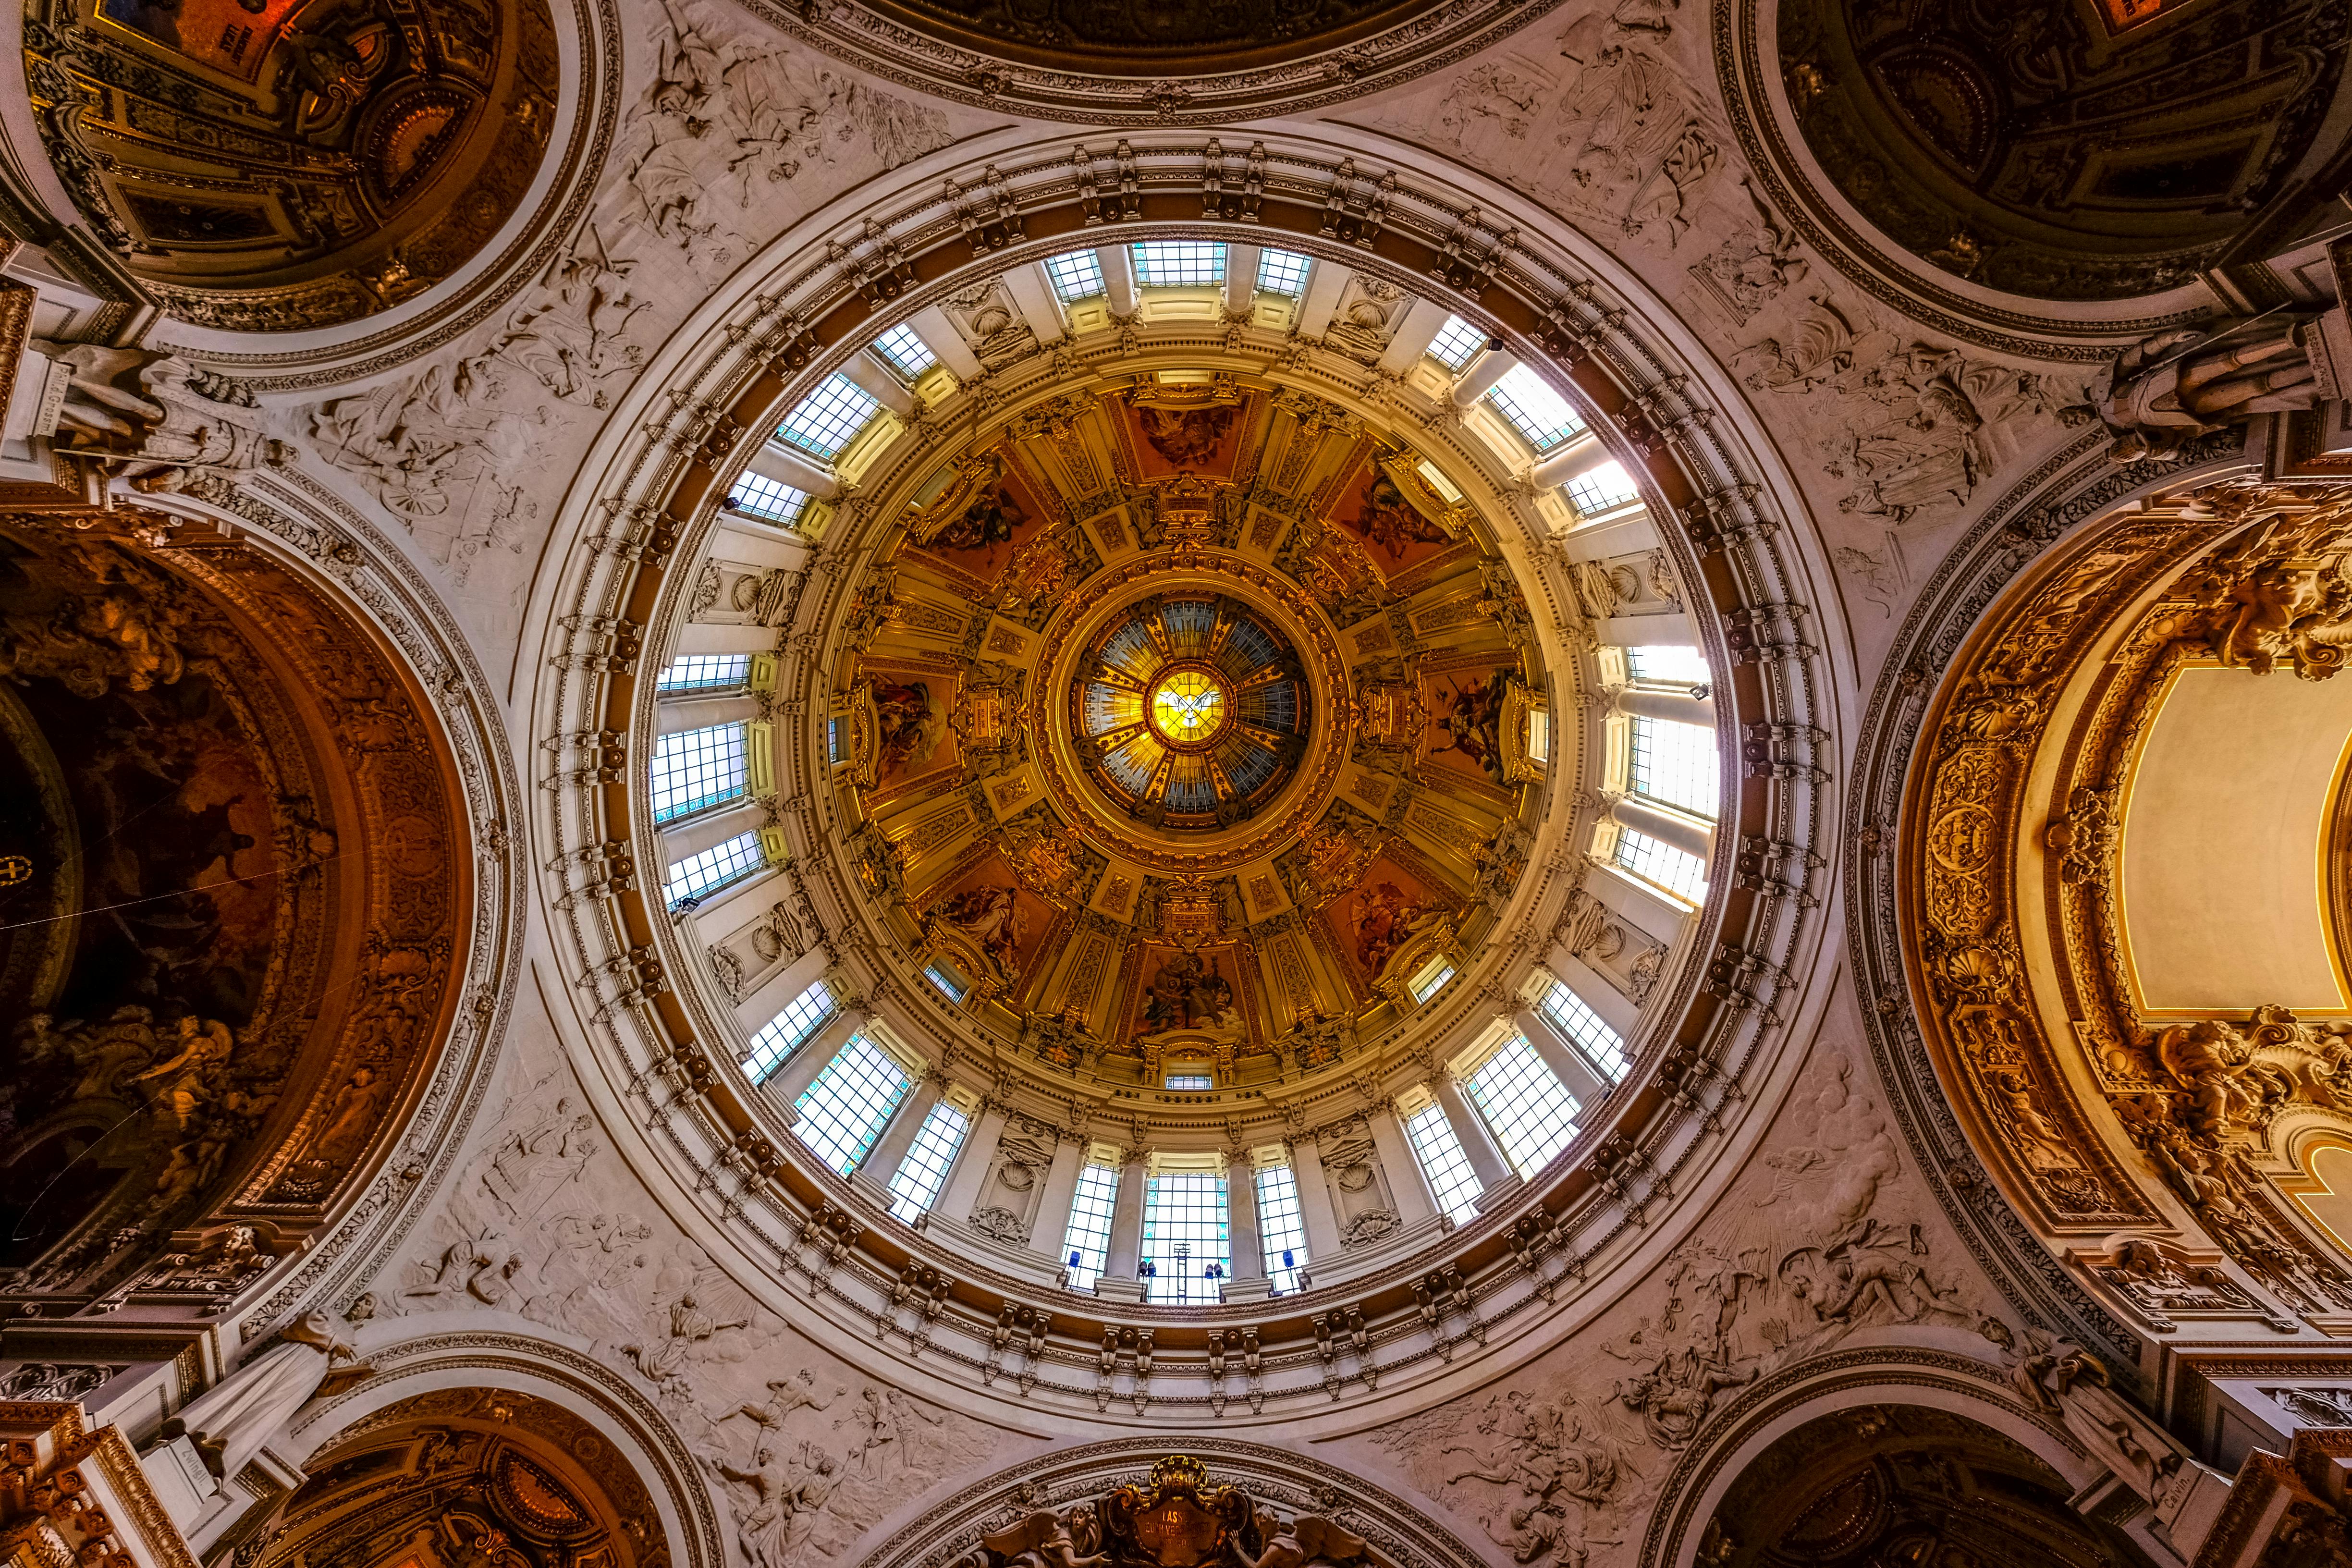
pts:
[277, 165]
[233, 904]
[1188, 721]
[2066, 152]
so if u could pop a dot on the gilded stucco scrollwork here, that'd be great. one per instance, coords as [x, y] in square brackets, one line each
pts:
[2015, 909]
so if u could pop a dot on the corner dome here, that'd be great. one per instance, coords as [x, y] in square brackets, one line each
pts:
[280, 167]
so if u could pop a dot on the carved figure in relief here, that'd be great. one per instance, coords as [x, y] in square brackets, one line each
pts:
[992, 917]
[2167, 389]
[191, 1077]
[2279, 594]
[350, 1121]
[570, 333]
[1755, 264]
[1627, 120]
[1880, 1271]
[1045, 1539]
[2214, 1064]
[688, 1326]
[230, 1422]
[727, 116]
[432, 448]
[789, 1492]
[108, 1056]
[887, 1448]
[1924, 424]
[476, 1267]
[1855, 1147]
[2044, 1145]
[528, 1166]
[1386, 918]
[1880, 573]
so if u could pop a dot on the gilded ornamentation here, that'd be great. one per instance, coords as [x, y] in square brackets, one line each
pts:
[1151, 744]
[2197, 1097]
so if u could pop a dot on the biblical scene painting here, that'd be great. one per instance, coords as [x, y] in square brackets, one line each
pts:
[1186, 430]
[1465, 710]
[1387, 911]
[169, 794]
[898, 725]
[980, 519]
[1397, 527]
[987, 911]
[1189, 997]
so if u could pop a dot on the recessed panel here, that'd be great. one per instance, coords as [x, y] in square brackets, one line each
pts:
[2222, 907]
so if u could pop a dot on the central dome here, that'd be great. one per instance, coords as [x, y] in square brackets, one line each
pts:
[1186, 717]
[1191, 713]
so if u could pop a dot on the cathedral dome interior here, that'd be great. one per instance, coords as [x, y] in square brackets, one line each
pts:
[907, 784]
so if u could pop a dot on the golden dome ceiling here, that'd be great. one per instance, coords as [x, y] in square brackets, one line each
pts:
[1190, 719]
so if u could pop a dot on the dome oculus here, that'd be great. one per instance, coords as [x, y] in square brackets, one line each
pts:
[1191, 712]
[1188, 708]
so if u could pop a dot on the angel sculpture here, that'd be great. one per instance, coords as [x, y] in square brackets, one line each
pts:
[1045, 1539]
[1309, 1538]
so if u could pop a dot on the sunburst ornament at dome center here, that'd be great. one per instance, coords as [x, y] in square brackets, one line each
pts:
[1188, 708]
[1193, 711]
